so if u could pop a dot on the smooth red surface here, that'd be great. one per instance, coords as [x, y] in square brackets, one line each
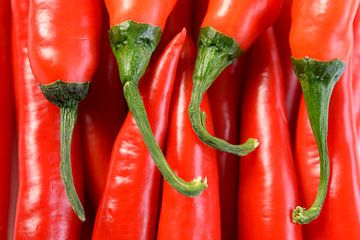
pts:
[7, 117]
[153, 12]
[322, 30]
[201, 7]
[267, 181]
[43, 210]
[291, 84]
[224, 98]
[340, 216]
[243, 20]
[64, 38]
[101, 115]
[183, 217]
[355, 59]
[130, 203]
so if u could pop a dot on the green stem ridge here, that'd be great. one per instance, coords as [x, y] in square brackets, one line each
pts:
[67, 96]
[215, 52]
[133, 44]
[136, 106]
[317, 81]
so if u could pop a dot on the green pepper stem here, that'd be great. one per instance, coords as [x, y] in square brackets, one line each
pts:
[136, 107]
[215, 52]
[68, 117]
[317, 81]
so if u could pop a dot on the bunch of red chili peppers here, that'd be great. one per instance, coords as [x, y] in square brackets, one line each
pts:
[116, 125]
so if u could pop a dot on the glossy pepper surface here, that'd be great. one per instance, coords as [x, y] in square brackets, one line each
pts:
[42, 211]
[133, 176]
[182, 217]
[228, 29]
[342, 207]
[63, 52]
[7, 110]
[100, 116]
[267, 181]
[133, 41]
[355, 61]
[321, 38]
[224, 101]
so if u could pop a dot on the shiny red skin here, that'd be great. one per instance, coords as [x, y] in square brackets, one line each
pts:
[355, 59]
[130, 202]
[322, 30]
[64, 38]
[153, 12]
[177, 20]
[242, 20]
[291, 84]
[267, 181]
[183, 217]
[224, 101]
[43, 210]
[101, 115]
[7, 129]
[201, 7]
[340, 216]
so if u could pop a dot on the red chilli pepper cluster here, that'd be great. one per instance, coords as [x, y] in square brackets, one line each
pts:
[163, 151]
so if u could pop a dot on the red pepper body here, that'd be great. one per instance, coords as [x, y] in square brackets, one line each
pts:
[63, 41]
[153, 12]
[129, 206]
[99, 124]
[43, 211]
[342, 207]
[267, 181]
[355, 59]
[7, 129]
[224, 102]
[182, 217]
[291, 84]
[241, 20]
[201, 7]
[322, 31]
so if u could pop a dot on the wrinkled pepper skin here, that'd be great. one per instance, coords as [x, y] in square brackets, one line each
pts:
[136, 28]
[227, 31]
[224, 103]
[342, 207]
[267, 181]
[182, 217]
[133, 177]
[355, 60]
[321, 38]
[63, 53]
[43, 210]
[291, 84]
[101, 115]
[7, 128]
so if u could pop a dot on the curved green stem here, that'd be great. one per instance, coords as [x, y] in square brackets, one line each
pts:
[67, 96]
[216, 51]
[317, 81]
[136, 106]
[68, 117]
[133, 44]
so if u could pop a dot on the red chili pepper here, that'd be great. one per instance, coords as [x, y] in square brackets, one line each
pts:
[182, 217]
[267, 181]
[135, 32]
[355, 59]
[201, 7]
[133, 176]
[292, 86]
[7, 129]
[228, 29]
[99, 124]
[63, 52]
[340, 217]
[43, 211]
[321, 38]
[224, 102]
